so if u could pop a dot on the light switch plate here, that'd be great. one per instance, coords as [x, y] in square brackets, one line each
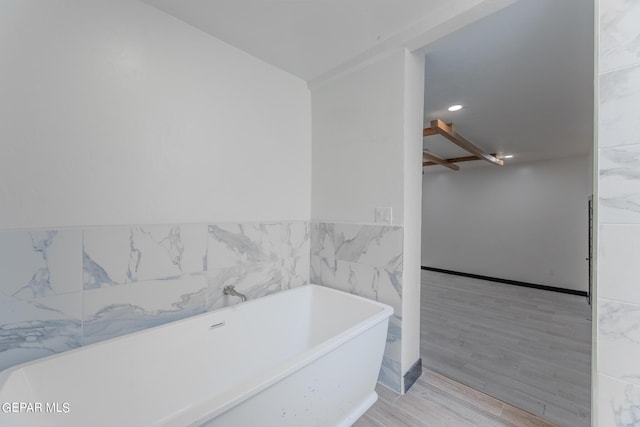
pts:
[383, 215]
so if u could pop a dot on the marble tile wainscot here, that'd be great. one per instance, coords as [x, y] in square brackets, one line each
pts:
[618, 294]
[60, 289]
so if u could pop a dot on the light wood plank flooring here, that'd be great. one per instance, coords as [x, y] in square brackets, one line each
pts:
[437, 401]
[527, 347]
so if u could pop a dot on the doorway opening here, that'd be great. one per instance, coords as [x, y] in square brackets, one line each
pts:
[506, 250]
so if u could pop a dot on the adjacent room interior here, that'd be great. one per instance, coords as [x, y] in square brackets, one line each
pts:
[506, 235]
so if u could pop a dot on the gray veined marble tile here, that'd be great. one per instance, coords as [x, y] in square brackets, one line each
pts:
[618, 116]
[368, 244]
[295, 271]
[619, 269]
[296, 239]
[323, 253]
[389, 287]
[390, 374]
[390, 371]
[373, 245]
[39, 327]
[231, 245]
[296, 262]
[118, 255]
[376, 283]
[115, 311]
[315, 269]
[328, 271]
[323, 272]
[619, 185]
[35, 264]
[258, 259]
[619, 34]
[322, 237]
[357, 279]
[618, 403]
[619, 340]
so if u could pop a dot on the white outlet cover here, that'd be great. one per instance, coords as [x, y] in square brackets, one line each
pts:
[383, 215]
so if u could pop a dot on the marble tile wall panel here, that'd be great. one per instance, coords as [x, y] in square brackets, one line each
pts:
[36, 264]
[376, 283]
[40, 294]
[364, 260]
[323, 254]
[619, 256]
[619, 340]
[258, 259]
[619, 184]
[619, 34]
[114, 311]
[618, 310]
[117, 255]
[374, 245]
[618, 403]
[30, 329]
[618, 108]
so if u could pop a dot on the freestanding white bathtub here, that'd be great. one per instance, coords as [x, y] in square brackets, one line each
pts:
[305, 357]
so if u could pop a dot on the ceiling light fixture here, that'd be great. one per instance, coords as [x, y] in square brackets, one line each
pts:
[507, 156]
[455, 107]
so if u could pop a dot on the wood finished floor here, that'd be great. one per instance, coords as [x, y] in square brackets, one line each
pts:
[437, 401]
[526, 347]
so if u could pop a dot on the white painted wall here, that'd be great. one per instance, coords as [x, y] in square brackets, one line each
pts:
[367, 152]
[525, 222]
[114, 112]
[357, 158]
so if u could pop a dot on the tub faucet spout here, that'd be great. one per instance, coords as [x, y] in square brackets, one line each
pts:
[231, 290]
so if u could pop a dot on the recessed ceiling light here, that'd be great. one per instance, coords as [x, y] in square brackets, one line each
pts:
[507, 156]
[455, 107]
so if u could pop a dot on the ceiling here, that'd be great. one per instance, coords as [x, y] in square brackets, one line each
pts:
[524, 74]
[525, 78]
[304, 37]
